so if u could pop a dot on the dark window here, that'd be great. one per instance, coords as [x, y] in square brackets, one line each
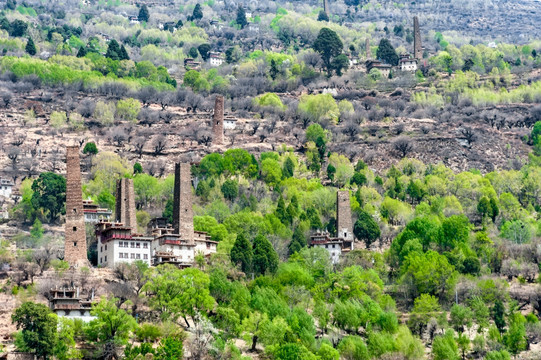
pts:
[75, 228]
[75, 243]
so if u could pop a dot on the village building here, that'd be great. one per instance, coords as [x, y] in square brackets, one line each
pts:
[407, 63]
[384, 69]
[70, 303]
[216, 59]
[117, 244]
[6, 187]
[191, 64]
[230, 123]
[134, 19]
[94, 214]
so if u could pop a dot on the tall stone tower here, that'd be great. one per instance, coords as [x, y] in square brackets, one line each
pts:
[182, 202]
[75, 245]
[326, 7]
[344, 225]
[368, 51]
[125, 204]
[218, 121]
[417, 46]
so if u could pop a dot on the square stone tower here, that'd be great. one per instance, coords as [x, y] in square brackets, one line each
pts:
[218, 121]
[344, 224]
[125, 204]
[326, 7]
[182, 202]
[417, 46]
[75, 244]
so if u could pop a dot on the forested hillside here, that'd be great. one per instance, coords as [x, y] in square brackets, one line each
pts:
[442, 165]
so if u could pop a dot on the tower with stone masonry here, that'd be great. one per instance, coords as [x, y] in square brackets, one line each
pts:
[368, 51]
[344, 224]
[182, 202]
[326, 7]
[218, 121]
[125, 204]
[417, 46]
[75, 242]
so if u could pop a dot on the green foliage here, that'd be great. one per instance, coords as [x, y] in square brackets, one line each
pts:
[426, 307]
[30, 47]
[90, 148]
[38, 327]
[269, 99]
[49, 195]
[319, 107]
[387, 53]
[241, 253]
[366, 229]
[230, 189]
[144, 14]
[445, 347]
[265, 258]
[241, 17]
[515, 339]
[329, 46]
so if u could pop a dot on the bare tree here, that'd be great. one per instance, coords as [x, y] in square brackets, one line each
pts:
[5, 98]
[147, 95]
[86, 108]
[44, 256]
[13, 154]
[403, 146]
[159, 144]
[139, 144]
[469, 135]
[204, 136]
[351, 129]
[118, 136]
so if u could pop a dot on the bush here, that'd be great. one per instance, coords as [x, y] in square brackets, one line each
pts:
[90, 148]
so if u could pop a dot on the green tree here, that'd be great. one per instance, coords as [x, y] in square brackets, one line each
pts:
[137, 168]
[366, 228]
[387, 53]
[171, 348]
[280, 211]
[38, 327]
[37, 230]
[515, 339]
[273, 71]
[178, 293]
[197, 13]
[90, 148]
[144, 14]
[66, 347]
[340, 63]
[328, 45]
[113, 50]
[193, 53]
[111, 328]
[498, 315]
[30, 47]
[123, 54]
[241, 253]
[322, 16]
[204, 50]
[49, 195]
[230, 189]
[241, 17]
[331, 170]
[461, 317]
[265, 258]
[82, 52]
[288, 169]
[463, 342]
[425, 308]
[298, 241]
[444, 347]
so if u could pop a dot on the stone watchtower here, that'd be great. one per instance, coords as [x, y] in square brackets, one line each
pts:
[75, 245]
[218, 121]
[125, 204]
[417, 46]
[182, 202]
[326, 7]
[344, 225]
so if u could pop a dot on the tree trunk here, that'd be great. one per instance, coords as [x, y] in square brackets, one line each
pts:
[254, 343]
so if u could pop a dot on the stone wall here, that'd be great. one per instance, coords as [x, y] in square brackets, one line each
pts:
[218, 121]
[182, 202]
[125, 204]
[417, 45]
[75, 244]
[344, 223]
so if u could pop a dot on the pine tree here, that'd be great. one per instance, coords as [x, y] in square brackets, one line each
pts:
[289, 167]
[241, 17]
[241, 253]
[293, 208]
[144, 15]
[366, 228]
[123, 54]
[113, 50]
[328, 45]
[265, 257]
[82, 52]
[298, 241]
[498, 315]
[387, 53]
[322, 16]
[281, 210]
[197, 12]
[31, 47]
[273, 72]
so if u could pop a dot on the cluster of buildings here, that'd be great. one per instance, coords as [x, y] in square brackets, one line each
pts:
[343, 242]
[119, 240]
[407, 63]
